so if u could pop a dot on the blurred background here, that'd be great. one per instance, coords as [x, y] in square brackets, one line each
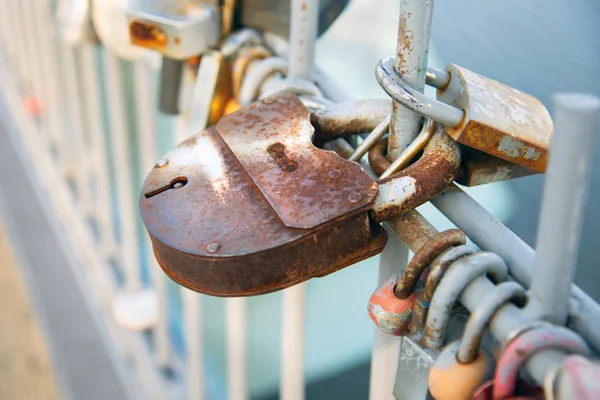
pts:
[49, 344]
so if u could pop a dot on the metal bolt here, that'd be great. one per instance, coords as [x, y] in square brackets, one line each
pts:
[335, 174]
[355, 197]
[177, 185]
[213, 247]
[161, 163]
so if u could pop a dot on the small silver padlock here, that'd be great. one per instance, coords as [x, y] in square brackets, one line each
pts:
[480, 113]
[463, 365]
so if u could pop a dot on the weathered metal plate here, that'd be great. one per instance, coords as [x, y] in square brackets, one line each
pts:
[500, 120]
[214, 231]
[305, 185]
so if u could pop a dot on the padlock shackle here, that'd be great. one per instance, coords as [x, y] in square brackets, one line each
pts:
[481, 317]
[256, 75]
[413, 99]
[521, 348]
[418, 183]
[350, 117]
[240, 66]
[458, 276]
[407, 282]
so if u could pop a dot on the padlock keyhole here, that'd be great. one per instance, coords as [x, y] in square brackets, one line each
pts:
[176, 183]
[277, 153]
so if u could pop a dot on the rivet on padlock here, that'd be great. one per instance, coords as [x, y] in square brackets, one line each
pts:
[480, 113]
[519, 350]
[463, 365]
[455, 280]
[390, 306]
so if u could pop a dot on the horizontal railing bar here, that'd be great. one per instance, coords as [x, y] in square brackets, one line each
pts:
[490, 234]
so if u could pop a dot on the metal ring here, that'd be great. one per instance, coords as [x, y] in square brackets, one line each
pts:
[455, 280]
[550, 382]
[481, 317]
[350, 117]
[437, 269]
[257, 74]
[426, 254]
[290, 85]
[237, 40]
[412, 150]
[240, 66]
[371, 140]
[526, 345]
[512, 335]
[413, 99]
[315, 102]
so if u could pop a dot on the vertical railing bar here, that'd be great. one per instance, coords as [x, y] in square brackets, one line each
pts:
[148, 153]
[102, 210]
[576, 121]
[235, 320]
[303, 34]
[24, 67]
[32, 54]
[78, 157]
[50, 77]
[414, 31]
[412, 53]
[386, 348]
[128, 249]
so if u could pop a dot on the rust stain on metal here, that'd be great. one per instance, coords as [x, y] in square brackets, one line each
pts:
[224, 203]
[499, 120]
[479, 168]
[413, 229]
[307, 197]
[147, 35]
[406, 284]
[350, 117]
[418, 183]
[277, 153]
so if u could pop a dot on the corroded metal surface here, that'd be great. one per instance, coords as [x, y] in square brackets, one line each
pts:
[430, 250]
[213, 228]
[351, 117]
[311, 195]
[479, 168]
[499, 120]
[418, 183]
[413, 229]
[240, 66]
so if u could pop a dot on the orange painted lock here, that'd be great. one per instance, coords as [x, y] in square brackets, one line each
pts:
[391, 305]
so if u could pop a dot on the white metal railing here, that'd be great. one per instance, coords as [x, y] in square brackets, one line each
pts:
[87, 144]
[88, 122]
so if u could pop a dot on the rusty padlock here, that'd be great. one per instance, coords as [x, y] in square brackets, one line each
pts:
[251, 206]
[464, 365]
[506, 383]
[391, 305]
[480, 113]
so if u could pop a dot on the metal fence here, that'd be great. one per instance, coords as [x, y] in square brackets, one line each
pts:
[89, 125]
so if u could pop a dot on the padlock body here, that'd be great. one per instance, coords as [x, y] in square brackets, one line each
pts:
[258, 208]
[499, 120]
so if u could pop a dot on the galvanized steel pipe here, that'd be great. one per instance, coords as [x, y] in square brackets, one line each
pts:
[490, 234]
